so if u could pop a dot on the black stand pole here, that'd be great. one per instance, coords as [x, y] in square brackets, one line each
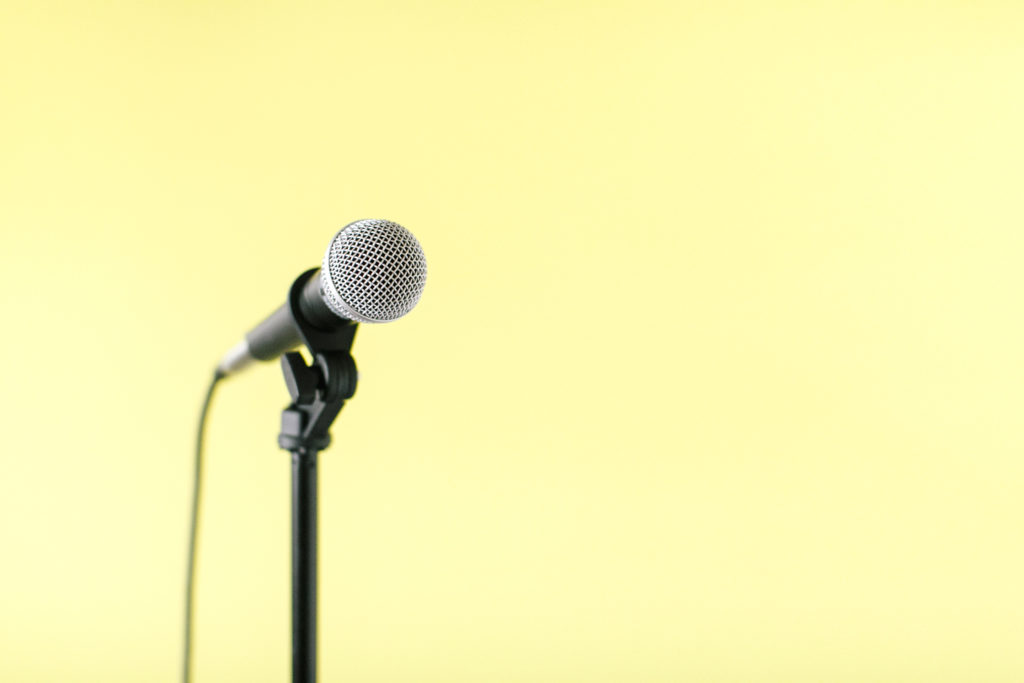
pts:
[304, 564]
[318, 392]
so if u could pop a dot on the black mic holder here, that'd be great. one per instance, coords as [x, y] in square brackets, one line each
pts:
[318, 391]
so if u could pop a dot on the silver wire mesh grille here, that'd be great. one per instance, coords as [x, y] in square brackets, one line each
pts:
[373, 272]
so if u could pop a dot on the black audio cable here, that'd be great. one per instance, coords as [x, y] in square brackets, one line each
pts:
[197, 481]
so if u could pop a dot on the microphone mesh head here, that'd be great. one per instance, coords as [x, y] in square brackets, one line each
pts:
[373, 272]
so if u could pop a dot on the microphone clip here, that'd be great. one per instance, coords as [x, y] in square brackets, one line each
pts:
[318, 390]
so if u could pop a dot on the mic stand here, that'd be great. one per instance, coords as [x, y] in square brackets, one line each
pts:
[318, 392]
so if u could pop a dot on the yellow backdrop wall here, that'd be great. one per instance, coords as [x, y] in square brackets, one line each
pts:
[717, 376]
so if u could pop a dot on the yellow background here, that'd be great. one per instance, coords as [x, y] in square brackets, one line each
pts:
[717, 375]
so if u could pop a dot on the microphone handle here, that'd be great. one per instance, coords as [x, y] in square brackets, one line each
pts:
[273, 336]
[277, 333]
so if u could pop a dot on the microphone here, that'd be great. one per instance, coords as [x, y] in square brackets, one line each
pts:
[373, 271]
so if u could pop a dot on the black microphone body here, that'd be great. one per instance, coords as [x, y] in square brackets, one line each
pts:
[277, 333]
